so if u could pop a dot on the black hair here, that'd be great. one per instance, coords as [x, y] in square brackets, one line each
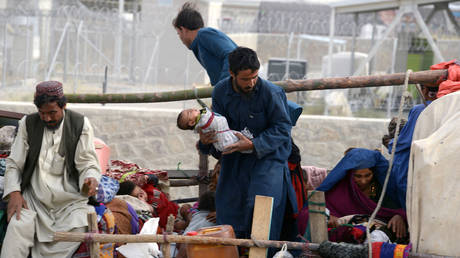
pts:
[348, 150]
[188, 17]
[126, 188]
[40, 100]
[206, 202]
[294, 157]
[152, 179]
[243, 58]
[179, 125]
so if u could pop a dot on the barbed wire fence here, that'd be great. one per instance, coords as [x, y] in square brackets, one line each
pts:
[297, 31]
[74, 41]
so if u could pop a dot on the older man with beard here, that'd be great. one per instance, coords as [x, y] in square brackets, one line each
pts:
[51, 171]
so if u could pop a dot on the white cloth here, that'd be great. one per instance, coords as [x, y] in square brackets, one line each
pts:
[219, 124]
[433, 194]
[143, 250]
[58, 204]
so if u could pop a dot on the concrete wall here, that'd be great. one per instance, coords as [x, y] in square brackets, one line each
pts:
[149, 136]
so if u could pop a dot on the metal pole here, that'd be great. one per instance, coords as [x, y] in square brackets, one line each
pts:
[288, 55]
[374, 31]
[66, 57]
[26, 61]
[187, 74]
[77, 57]
[118, 41]
[152, 58]
[452, 19]
[104, 84]
[393, 63]
[91, 44]
[353, 43]
[331, 41]
[99, 46]
[431, 14]
[133, 45]
[299, 44]
[426, 32]
[376, 47]
[5, 55]
[85, 56]
[53, 61]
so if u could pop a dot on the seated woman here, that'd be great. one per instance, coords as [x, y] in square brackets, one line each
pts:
[354, 187]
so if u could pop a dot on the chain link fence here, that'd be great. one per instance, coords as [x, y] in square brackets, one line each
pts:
[78, 41]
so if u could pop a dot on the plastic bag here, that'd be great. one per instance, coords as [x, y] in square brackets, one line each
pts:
[283, 253]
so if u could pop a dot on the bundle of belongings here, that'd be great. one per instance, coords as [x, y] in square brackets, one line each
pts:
[129, 201]
[7, 134]
[352, 229]
[154, 183]
[432, 180]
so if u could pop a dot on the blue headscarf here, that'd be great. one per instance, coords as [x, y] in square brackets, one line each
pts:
[357, 158]
[294, 111]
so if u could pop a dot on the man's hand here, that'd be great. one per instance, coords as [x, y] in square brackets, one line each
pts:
[207, 138]
[15, 204]
[398, 226]
[89, 187]
[242, 145]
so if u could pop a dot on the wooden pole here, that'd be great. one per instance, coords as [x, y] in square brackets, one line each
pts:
[93, 228]
[289, 86]
[203, 172]
[166, 247]
[261, 220]
[317, 216]
[182, 182]
[150, 238]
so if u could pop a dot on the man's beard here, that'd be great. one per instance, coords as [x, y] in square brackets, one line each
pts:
[53, 125]
[241, 89]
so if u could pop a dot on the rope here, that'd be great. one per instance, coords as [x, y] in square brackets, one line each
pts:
[322, 204]
[89, 237]
[202, 104]
[387, 177]
[311, 194]
[256, 242]
[319, 212]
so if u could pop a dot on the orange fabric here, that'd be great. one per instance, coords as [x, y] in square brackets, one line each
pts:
[452, 83]
[399, 251]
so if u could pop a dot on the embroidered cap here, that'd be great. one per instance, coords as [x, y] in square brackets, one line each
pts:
[50, 88]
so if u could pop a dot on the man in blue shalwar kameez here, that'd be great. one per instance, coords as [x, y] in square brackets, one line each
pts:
[249, 102]
[397, 184]
[210, 46]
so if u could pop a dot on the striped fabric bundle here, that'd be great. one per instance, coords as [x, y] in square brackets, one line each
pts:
[387, 250]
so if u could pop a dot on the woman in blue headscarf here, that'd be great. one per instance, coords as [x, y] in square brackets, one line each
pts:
[354, 187]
